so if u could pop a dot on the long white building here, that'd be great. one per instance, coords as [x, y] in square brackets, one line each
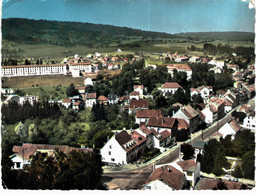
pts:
[33, 70]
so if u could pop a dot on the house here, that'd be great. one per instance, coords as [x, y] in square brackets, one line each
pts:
[23, 154]
[249, 90]
[211, 113]
[210, 184]
[190, 116]
[135, 95]
[249, 121]
[112, 99]
[142, 116]
[7, 91]
[180, 68]
[30, 99]
[217, 63]
[123, 148]
[182, 59]
[169, 87]
[82, 67]
[81, 89]
[67, 102]
[165, 178]
[90, 99]
[163, 123]
[219, 103]
[199, 147]
[138, 105]
[228, 106]
[195, 59]
[191, 168]
[88, 81]
[244, 108]
[103, 100]
[234, 67]
[230, 128]
[154, 138]
[77, 105]
[203, 91]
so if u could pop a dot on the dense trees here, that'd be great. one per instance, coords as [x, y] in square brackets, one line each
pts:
[242, 146]
[71, 91]
[77, 170]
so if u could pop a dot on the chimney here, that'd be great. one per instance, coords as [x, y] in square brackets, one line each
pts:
[169, 169]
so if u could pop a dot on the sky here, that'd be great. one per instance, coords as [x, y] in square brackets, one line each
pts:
[170, 16]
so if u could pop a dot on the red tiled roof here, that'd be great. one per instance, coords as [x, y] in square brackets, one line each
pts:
[164, 122]
[168, 175]
[217, 101]
[139, 104]
[123, 137]
[235, 125]
[83, 63]
[138, 137]
[135, 93]
[144, 129]
[123, 98]
[171, 85]
[148, 113]
[66, 100]
[77, 103]
[27, 150]
[102, 98]
[178, 67]
[91, 96]
[165, 134]
[187, 165]
[138, 86]
[228, 103]
[189, 111]
[182, 124]
[209, 184]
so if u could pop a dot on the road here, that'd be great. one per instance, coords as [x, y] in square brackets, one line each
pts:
[134, 177]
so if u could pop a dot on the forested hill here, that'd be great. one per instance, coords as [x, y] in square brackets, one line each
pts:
[227, 36]
[69, 33]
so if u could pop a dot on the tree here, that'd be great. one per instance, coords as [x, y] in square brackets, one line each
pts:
[248, 166]
[181, 135]
[71, 91]
[197, 99]
[21, 130]
[188, 151]
[238, 172]
[221, 186]
[220, 162]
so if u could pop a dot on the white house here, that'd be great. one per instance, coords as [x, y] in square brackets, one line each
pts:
[211, 113]
[82, 67]
[29, 98]
[180, 68]
[67, 102]
[230, 128]
[142, 116]
[249, 121]
[217, 63]
[166, 177]
[169, 87]
[90, 99]
[88, 81]
[123, 148]
[203, 91]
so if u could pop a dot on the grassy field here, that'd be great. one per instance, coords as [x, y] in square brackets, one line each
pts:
[40, 81]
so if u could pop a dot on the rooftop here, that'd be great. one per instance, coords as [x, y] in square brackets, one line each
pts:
[171, 85]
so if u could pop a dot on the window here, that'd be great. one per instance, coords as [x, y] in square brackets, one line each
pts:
[148, 187]
[110, 146]
[18, 164]
[109, 153]
[112, 159]
[189, 173]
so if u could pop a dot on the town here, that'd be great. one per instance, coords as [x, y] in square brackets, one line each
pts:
[185, 122]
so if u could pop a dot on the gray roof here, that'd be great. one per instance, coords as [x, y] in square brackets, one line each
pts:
[199, 144]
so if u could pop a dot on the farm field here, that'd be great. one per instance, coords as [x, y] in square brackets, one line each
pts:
[40, 81]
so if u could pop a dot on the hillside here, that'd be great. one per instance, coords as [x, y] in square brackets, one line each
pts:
[226, 36]
[70, 33]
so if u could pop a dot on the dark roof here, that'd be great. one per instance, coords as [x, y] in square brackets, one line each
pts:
[189, 111]
[199, 144]
[135, 93]
[123, 137]
[168, 175]
[165, 122]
